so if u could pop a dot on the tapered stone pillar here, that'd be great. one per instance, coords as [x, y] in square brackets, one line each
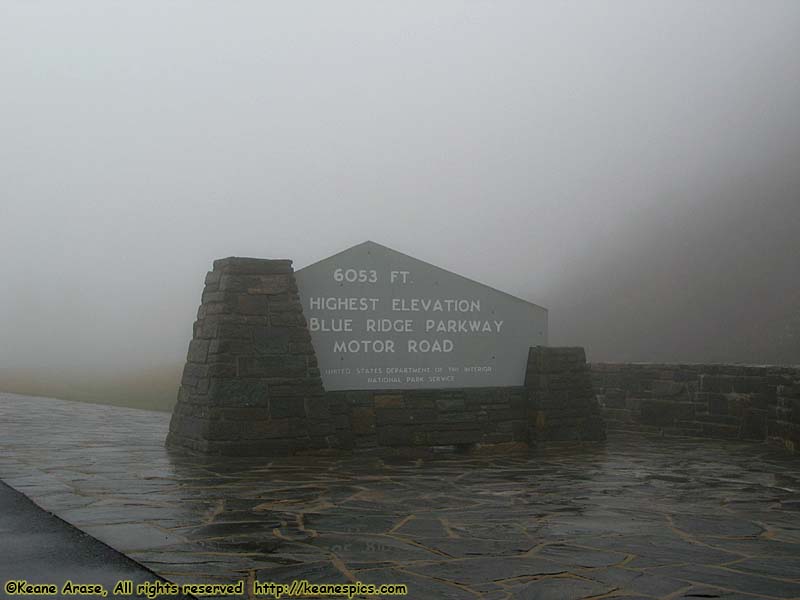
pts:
[562, 405]
[251, 385]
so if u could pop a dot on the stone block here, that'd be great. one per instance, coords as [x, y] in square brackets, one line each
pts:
[669, 388]
[252, 305]
[285, 407]
[363, 420]
[190, 427]
[294, 388]
[229, 330]
[389, 401]
[449, 404]
[553, 360]
[270, 340]
[458, 437]
[497, 438]
[419, 402]
[239, 392]
[304, 348]
[226, 430]
[193, 373]
[279, 365]
[272, 285]
[385, 416]
[614, 398]
[319, 429]
[662, 413]
[753, 425]
[720, 431]
[212, 278]
[230, 347]
[271, 428]
[218, 297]
[221, 369]
[718, 404]
[317, 407]
[287, 319]
[450, 418]
[788, 410]
[398, 435]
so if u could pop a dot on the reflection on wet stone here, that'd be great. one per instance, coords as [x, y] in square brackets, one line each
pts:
[636, 517]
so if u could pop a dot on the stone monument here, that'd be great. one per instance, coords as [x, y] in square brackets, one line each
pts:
[371, 348]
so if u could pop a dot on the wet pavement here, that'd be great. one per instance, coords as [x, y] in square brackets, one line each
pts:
[636, 517]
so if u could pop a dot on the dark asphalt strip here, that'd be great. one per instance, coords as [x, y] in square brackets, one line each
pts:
[38, 547]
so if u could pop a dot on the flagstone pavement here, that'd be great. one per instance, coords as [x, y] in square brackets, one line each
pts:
[635, 517]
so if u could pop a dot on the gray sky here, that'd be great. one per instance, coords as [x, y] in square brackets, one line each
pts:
[597, 158]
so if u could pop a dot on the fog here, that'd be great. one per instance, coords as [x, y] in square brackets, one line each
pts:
[632, 166]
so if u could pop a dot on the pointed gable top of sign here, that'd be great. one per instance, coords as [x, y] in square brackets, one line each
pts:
[369, 246]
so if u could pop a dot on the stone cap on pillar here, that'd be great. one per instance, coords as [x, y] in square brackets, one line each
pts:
[252, 266]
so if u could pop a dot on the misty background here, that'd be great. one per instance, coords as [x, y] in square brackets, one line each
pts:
[634, 166]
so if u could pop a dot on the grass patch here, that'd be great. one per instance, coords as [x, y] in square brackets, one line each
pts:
[150, 389]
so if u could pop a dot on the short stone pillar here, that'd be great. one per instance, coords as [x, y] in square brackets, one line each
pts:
[561, 401]
[251, 385]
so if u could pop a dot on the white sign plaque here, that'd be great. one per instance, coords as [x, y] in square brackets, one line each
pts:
[380, 319]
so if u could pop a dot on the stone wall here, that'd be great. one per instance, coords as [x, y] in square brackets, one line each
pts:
[721, 401]
[556, 403]
[251, 385]
[439, 417]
